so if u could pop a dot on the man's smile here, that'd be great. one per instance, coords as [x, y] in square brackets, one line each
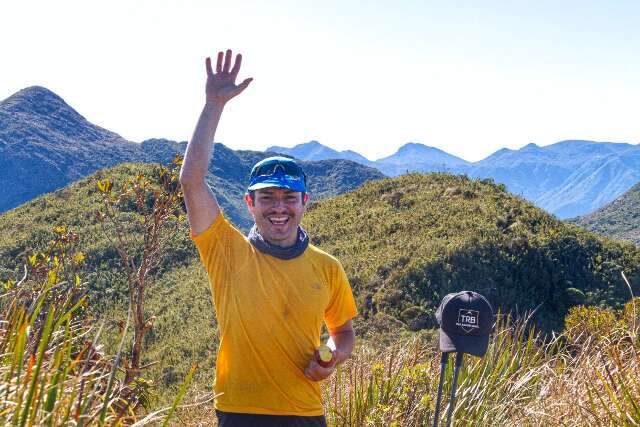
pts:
[278, 219]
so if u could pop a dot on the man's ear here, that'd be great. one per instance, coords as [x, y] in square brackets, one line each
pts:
[248, 200]
[305, 198]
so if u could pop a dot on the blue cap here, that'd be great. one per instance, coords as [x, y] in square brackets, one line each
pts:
[281, 172]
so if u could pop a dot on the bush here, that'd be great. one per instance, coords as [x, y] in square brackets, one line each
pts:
[590, 323]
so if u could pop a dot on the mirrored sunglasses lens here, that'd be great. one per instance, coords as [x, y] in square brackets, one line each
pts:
[287, 169]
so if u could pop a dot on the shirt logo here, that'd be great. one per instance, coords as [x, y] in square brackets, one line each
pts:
[468, 320]
[316, 286]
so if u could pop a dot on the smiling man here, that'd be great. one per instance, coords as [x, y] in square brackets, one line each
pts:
[271, 290]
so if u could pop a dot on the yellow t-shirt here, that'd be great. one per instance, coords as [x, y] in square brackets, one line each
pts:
[270, 313]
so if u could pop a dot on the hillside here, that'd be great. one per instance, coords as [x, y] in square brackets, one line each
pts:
[619, 219]
[404, 242]
[408, 241]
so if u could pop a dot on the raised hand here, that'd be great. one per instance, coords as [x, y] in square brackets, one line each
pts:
[221, 85]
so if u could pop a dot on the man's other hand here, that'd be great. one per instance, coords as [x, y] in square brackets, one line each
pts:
[221, 85]
[315, 372]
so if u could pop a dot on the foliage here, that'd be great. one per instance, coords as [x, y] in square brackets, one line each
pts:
[522, 380]
[404, 243]
[590, 323]
[159, 207]
[184, 332]
[51, 373]
[619, 219]
[408, 241]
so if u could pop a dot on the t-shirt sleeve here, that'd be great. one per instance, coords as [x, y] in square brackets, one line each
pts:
[342, 306]
[219, 246]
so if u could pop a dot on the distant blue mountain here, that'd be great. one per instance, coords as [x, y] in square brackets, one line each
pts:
[411, 157]
[45, 144]
[313, 150]
[414, 157]
[568, 178]
[419, 153]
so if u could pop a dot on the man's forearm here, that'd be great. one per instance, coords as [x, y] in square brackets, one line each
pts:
[342, 343]
[200, 148]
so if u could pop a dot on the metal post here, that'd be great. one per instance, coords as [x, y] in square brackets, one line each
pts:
[452, 400]
[443, 367]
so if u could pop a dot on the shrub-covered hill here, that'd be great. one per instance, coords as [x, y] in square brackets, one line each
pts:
[619, 219]
[185, 329]
[31, 224]
[408, 241]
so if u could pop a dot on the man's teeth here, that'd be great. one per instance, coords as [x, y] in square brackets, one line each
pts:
[279, 220]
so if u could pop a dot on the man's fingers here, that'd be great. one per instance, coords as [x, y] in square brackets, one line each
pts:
[209, 69]
[236, 66]
[242, 86]
[227, 61]
[219, 63]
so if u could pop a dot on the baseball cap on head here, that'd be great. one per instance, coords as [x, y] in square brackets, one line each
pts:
[466, 321]
[278, 171]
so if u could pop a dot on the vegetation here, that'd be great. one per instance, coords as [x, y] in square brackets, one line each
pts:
[159, 207]
[576, 378]
[619, 219]
[405, 242]
[408, 241]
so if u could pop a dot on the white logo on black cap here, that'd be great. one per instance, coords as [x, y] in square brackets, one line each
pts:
[468, 320]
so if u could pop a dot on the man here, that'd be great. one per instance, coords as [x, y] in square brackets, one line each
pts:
[271, 290]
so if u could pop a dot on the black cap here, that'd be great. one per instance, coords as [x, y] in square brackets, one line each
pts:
[466, 321]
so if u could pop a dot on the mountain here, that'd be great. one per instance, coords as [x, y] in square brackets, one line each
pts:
[229, 171]
[413, 157]
[408, 241]
[569, 178]
[313, 150]
[619, 219]
[45, 144]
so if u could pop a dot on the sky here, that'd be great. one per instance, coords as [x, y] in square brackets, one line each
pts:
[468, 77]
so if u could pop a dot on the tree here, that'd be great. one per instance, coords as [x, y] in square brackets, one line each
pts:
[139, 219]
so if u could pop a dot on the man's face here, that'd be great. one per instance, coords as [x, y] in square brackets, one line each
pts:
[277, 213]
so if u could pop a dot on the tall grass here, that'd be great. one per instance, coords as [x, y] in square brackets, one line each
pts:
[53, 371]
[567, 379]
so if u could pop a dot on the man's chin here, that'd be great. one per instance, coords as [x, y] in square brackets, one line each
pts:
[279, 239]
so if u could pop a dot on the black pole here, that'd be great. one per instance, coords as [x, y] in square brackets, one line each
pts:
[452, 400]
[443, 367]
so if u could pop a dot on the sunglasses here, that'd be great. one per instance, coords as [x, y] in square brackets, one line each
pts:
[288, 169]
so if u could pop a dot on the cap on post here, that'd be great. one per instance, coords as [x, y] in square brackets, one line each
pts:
[466, 321]
[278, 171]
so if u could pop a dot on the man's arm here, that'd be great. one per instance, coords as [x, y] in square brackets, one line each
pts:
[202, 206]
[341, 341]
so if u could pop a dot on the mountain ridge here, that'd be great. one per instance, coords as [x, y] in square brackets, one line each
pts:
[568, 178]
[45, 144]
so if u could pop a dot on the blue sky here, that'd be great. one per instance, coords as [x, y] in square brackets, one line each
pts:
[466, 77]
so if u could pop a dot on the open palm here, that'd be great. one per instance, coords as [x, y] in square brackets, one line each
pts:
[221, 85]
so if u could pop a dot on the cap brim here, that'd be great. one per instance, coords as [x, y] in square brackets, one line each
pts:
[470, 344]
[279, 183]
